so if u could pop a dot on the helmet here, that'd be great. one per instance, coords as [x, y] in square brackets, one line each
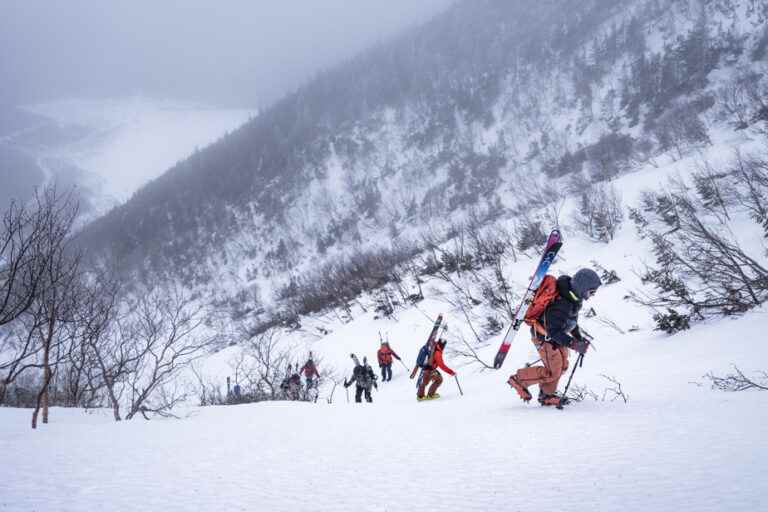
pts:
[585, 282]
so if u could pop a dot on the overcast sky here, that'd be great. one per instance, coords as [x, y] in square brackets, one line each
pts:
[224, 52]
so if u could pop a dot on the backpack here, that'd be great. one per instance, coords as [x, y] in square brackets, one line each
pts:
[358, 375]
[545, 294]
[423, 357]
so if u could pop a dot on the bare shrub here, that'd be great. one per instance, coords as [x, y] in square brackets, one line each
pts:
[600, 213]
[611, 393]
[737, 381]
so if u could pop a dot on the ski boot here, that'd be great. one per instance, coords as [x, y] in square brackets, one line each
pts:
[546, 399]
[525, 395]
[433, 397]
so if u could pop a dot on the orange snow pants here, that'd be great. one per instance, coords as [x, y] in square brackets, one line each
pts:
[432, 377]
[555, 360]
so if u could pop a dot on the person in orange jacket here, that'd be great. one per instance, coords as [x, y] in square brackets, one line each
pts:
[385, 355]
[430, 375]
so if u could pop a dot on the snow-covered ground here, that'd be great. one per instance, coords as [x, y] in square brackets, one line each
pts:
[675, 445]
[129, 141]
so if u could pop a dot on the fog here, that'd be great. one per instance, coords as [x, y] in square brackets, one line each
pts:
[227, 53]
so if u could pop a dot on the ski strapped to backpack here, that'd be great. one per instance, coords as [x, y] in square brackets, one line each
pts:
[425, 354]
[554, 242]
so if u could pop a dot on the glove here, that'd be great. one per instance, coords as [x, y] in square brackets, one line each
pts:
[346, 384]
[580, 345]
[376, 386]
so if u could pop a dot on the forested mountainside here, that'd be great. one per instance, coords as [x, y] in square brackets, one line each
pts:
[470, 114]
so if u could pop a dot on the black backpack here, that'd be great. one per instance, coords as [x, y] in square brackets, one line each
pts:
[358, 375]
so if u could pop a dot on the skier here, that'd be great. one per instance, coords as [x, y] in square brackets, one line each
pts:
[364, 377]
[429, 360]
[385, 356]
[554, 331]
[291, 384]
[310, 372]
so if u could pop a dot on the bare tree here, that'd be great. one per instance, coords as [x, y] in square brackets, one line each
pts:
[680, 129]
[19, 349]
[750, 186]
[700, 265]
[20, 263]
[269, 360]
[166, 329]
[53, 299]
[36, 270]
[108, 351]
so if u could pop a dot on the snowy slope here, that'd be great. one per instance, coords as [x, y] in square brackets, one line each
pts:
[676, 445]
[399, 169]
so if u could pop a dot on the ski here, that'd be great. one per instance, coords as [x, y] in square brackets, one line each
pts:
[435, 328]
[432, 337]
[554, 242]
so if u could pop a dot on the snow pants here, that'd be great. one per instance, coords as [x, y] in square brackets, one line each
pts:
[555, 361]
[431, 378]
[359, 394]
[386, 372]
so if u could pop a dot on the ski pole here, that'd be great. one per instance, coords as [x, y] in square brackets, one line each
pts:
[579, 362]
[402, 363]
[456, 377]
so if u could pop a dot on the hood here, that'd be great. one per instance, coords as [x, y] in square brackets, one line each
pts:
[585, 280]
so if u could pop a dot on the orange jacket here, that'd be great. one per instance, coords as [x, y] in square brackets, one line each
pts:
[437, 361]
[386, 354]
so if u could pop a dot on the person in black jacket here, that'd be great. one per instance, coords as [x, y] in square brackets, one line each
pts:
[365, 379]
[554, 332]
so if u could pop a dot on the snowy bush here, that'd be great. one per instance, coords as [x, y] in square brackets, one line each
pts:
[337, 283]
[671, 321]
[530, 234]
[600, 213]
[744, 99]
[680, 128]
[701, 269]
